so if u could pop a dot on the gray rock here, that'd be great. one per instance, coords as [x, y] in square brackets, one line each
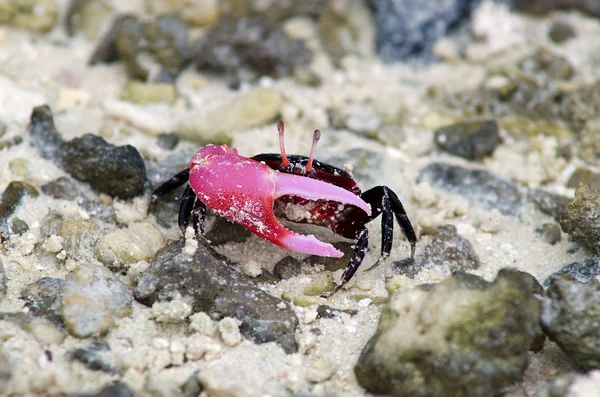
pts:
[584, 271]
[116, 389]
[407, 29]
[9, 201]
[118, 171]
[43, 298]
[452, 339]
[218, 290]
[479, 187]
[580, 219]
[549, 232]
[472, 140]
[287, 267]
[223, 231]
[570, 317]
[448, 251]
[550, 204]
[19, 226]
[249, 48]
[93, 300]
[93, 357]
[168, 141]
[561, 31]
[44, 135]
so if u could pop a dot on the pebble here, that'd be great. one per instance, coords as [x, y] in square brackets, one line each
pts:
[147, 93]
[138, 242]
[472, 140]
[286, 268]
[561, 31]
[549, 232]
[583, 271]
[202, 323]
[580, 218]
[322, 283]
[586, 176]
[229, 331]
[11, 198]
[423, 331]
[43, 298]
[93, 300]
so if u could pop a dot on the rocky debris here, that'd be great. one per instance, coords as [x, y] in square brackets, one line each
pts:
[163, 40]
[472, 140]
[478, 187]
[223, 231]
[538, 7]
[87, 16]
[218, 290]
[116, 389]
[246, 110]
[93, 299]
[286, 268]
[561, 30]
[115, 170]
[580, 219]
[405, 29]
[570, 316]
[9, 201]
[146, 93]
[93, 357]
[138, 242]
[248, 48]
[455, 338]
[37, 16]
[447, 253]
[586, 176]
[43, 298]
[550, 204]
[549, 232]
[168, 141]
[346, 28]
[583, 271]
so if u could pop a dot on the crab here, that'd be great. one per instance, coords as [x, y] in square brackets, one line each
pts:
[254, 192]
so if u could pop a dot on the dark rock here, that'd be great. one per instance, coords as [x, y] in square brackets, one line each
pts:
[570, 317]
[164, 40]
[218, 290]
[324, 311]
[192, 386]
[93, 358]
[548, 203]
[19, 226]
[333, 264]
[538, 7]
[117, 389]
[549, 232]
[168, 141]
[561, 31]
[62, 188]
[10, 200]
[472, 140]
[584, 271]
[475, 344]
[43, 298]
[249, 48]
[585, 176]
[580, 219]
[224, 231]
[43, 132]
[286, 268]
[118, 171]
[408, 29]
[448, 251]
[477, 186]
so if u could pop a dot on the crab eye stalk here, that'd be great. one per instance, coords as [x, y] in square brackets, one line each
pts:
[284, 160]
[316, 137]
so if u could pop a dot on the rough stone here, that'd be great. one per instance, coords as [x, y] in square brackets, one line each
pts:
[9, 201]
[93, 300]
[79, 237]
[478, 187]
[287, 267]
[583, 271]
[581, 219]
[218, 290]
[43, 298]
[447, 252]
[452, 339]
[549, 232]
[550, 204]
[409, 29]
[570, 316]
[44, 135]
[472, 140]
[248, 48]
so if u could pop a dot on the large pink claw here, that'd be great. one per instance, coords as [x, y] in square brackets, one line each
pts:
[244, 191]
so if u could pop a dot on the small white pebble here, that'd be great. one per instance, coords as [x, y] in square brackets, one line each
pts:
[191, 244]
[281, 305]
[319, 371]
[364, 302]
[53, 244]
[230, 331]
[202, 323]
[310, 316]
[252, 269]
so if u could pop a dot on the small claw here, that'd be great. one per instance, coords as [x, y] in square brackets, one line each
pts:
[313, 189]
[309, 244]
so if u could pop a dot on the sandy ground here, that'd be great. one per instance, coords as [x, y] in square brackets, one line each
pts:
[32, 72]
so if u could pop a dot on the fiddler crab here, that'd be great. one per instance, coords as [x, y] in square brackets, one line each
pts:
[255, 191]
